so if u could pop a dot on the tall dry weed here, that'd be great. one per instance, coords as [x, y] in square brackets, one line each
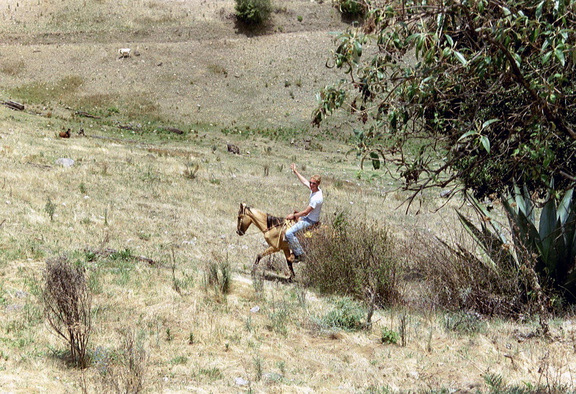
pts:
[218, 275]
[123, 370]
[458, 280]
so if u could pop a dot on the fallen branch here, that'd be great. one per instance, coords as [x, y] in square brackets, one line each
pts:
[14, 105]
[173, 130]
[86, 114]
[127, 127]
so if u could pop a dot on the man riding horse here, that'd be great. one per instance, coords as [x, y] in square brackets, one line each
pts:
[274, 228]
[306, 218]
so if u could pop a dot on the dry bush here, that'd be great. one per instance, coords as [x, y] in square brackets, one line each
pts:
[67, 305]
[353, 258]
[124, 370]
[458, 280]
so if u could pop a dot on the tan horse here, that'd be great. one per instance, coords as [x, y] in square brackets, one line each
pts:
[273, 228]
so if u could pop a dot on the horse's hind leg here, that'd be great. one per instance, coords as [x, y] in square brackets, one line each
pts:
[292, 274]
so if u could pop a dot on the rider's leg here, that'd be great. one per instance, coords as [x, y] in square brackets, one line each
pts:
[293, 240]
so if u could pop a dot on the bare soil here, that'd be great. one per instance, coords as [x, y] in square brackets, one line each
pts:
[191, 62]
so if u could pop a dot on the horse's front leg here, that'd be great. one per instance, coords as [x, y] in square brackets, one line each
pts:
[267, 252]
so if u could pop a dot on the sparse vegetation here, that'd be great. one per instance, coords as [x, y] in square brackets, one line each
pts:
[460, 281]
[218, 275]
[50, 209]
[191, 170]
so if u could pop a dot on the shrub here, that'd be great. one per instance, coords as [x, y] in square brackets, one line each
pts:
[50, 209]
[389, 336]
[253, 12]
[67, 305]
[346, 315]
[463, 322]
[352, 7]
[353, 258]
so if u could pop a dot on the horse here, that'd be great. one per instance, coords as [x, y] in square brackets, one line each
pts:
[273, 228]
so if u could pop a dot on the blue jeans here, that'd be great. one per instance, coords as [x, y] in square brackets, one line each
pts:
[302, 224]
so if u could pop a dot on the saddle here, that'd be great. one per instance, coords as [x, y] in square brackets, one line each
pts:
[310, 230]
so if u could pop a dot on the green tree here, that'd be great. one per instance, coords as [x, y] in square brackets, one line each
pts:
[479, 96]
[474, 93]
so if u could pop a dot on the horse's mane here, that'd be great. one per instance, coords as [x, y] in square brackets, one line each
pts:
[273, 221]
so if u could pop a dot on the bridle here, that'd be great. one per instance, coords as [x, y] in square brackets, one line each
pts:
[241, 214]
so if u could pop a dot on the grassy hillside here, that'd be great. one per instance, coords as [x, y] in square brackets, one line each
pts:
[148, 212]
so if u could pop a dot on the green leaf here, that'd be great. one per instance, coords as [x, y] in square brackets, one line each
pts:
[485, 143]
[547, 225]
[467, 134]
[560, 56]
[461, 58]
[358, 48]
[539, 10]
[375, 160]
[489, 122]
[564, 208]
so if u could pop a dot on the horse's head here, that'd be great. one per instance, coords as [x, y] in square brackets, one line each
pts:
[244, 220]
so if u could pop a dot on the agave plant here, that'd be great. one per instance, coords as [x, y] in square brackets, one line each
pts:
[546, 233]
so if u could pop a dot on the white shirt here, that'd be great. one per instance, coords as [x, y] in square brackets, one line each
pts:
[316, 200]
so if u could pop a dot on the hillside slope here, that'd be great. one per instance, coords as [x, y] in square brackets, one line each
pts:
[191, 63]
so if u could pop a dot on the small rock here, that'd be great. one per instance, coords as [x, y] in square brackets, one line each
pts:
[241, 382]
[255, 309]
[65, 162]
[445, 193]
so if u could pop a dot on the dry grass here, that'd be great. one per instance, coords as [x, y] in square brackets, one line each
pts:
[145, 229]
[127, 196]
